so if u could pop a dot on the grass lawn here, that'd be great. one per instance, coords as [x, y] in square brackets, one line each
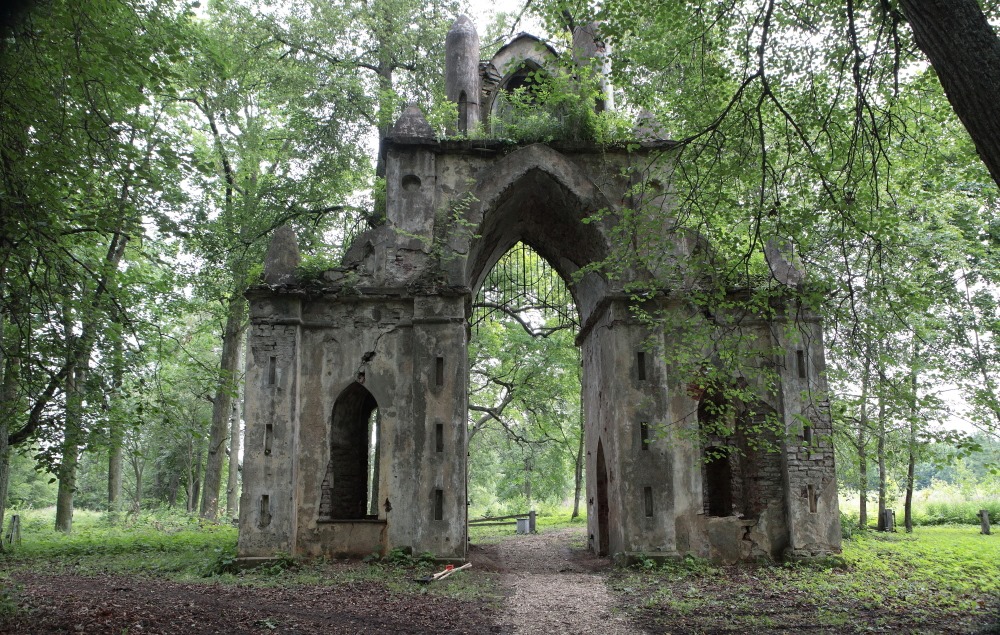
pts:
[183, 548]
[943, 579]
[940, 579]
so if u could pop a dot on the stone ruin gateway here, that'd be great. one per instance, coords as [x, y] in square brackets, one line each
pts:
[379, 347]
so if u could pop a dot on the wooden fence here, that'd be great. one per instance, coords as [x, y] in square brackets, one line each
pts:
[496, 521]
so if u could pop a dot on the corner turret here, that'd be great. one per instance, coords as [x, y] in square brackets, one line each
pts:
[461, 67]
[589, 49]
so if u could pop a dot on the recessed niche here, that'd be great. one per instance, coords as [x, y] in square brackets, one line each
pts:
[265, 510]
[439, 437]
[439, 504]
[640, 360]
[439, 371]
[272, 371]
[411, 183]
[800, 359]
[268, 438]
[644, 434]
[647, 500]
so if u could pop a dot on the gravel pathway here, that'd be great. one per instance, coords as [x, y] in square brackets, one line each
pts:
[557, 588]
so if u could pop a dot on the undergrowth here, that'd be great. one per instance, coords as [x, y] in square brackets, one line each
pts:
[936, 575]
[184, 548]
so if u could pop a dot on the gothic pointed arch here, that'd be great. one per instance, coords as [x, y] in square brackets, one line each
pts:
[538, 196]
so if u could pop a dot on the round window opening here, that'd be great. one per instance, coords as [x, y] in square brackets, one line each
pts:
[411, 183]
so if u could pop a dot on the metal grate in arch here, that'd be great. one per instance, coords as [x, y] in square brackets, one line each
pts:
[523, 283]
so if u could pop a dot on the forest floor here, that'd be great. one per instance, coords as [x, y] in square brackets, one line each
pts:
[939, 580]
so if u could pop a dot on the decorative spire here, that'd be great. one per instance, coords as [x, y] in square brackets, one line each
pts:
[412, 125]
[282, 257]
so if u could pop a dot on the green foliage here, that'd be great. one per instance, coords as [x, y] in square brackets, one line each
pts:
[378, 195]
[404, 558]
[848, 525]
[935, 576]
[557, 103]
[312, 266]
[8, 601]
[29, 487]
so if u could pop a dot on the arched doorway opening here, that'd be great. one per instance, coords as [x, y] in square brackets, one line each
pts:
[350, 485]
[525, 427]
[539, 198]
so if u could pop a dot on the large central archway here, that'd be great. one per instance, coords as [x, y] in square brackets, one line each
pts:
[538, 196]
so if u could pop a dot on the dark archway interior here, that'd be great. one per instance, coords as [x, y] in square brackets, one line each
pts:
[540, 212]
[718, 482]
[718, 460]
[345, 489]
[528, 77]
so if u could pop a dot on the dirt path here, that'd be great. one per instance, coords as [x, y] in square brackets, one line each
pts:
[553, 586]
[556, 586]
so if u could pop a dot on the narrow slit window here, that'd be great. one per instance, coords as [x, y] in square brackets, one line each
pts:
[807, 434]
[463, 113]
[265, 510]
[268, 438]
[812, 498]
[800, 357]
[644, 434]
[272, 371]
[647, 500]
[439, 371]
[439, 504]
[640, 359]
[439, 437]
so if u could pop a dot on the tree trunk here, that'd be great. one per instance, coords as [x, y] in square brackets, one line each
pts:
[193, 469]
[880, 451]
[233, 479]
[222, 406]
[235, 442]
[527, 480]
[9, 367]
[115, 462]
[912, 446]
[578, 472]
[8, 398]
[965, 53]
[116, 432]
[172, 487]
[138, 467]
[72, 438]
[385, 113]
[863, 452]
[376, 436]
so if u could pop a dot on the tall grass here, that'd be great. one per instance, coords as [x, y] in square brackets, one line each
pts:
[150, 543]
[940, 504]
